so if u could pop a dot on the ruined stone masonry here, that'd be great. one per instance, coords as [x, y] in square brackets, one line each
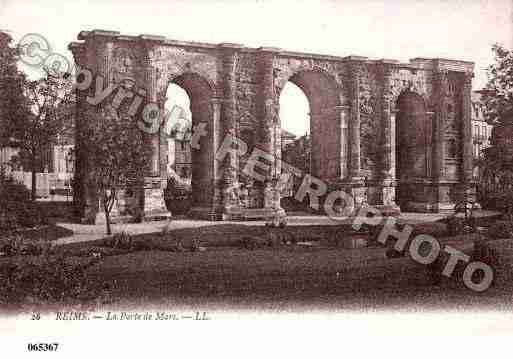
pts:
[391, 134]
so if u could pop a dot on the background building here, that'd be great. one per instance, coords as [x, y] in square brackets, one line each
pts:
[54, 170]
[481, 130]
[177, 131]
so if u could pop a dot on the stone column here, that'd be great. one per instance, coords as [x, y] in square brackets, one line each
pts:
[163, 145]
[440, 89]
[354, 124]
[354, 183]
[440, 196]
[214, 182]
[430, 120]
[268, 103]
[387, 172]
[344, 114]
[388, 180]
[270, 136]
[230, 181]
[154, 183]
[94, 207]
[217, 138]
[150, 82]
[81, 166]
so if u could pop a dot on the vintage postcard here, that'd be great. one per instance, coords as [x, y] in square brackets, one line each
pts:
[256, 178]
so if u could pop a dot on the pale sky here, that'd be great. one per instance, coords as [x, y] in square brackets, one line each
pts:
[395, 29]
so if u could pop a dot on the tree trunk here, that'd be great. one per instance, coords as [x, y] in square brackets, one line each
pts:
[107, 219]
[33, 187]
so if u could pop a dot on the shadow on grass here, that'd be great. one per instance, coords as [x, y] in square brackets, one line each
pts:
[63, 210]
[48, 232]
[221, 235]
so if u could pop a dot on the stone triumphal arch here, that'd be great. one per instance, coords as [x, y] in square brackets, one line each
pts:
[386, 132]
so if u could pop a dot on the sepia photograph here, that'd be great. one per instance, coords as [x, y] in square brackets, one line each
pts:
[256, 178]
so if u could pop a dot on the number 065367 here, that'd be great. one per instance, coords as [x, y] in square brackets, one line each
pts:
[42, 347]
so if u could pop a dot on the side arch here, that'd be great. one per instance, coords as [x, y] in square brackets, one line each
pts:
[413, 129]
[398, 92]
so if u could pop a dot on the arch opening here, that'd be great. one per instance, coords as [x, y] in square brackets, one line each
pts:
[188, 104]
[309, 110]
[324, 137]
[413, 146]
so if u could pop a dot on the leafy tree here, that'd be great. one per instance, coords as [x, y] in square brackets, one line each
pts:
[497, 161]
[48, 116]
[13, 103]
[498, 93]
[118, 155]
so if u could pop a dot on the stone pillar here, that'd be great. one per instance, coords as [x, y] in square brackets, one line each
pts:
[354, 124]
[344, 113]
[388, 180]
[469, 191]
[439, 198]
[155, 181]
[440, 89]
[163, 145]
[81, 165]
[216, 130]
[213, 183]
[430, 120]
[387, 172]
[151, 98]
[270, 136]
[354, 183]
[230, 181]
[94, 207]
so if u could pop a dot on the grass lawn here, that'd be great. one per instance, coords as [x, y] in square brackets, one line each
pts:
[265, 274]
[277, 278]
[284, 279]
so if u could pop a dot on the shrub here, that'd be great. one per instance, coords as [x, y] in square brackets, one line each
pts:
[18, 245]
[178, 246]
[457, 226]
[196, 245]
[12, 191]
[166, 231]
[178, 196]
[501, 229]
[252, 242]
[435, 229]
[16, 208]
[275, 239]
[92, 252]
[121, 240]
[54, 280]
[8, 221]
[502, 201]
[276, 221]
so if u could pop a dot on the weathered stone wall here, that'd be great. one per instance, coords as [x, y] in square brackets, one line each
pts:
[354, 106]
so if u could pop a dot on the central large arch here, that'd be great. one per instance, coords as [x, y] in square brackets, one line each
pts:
[323, 94]
[200, 93]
